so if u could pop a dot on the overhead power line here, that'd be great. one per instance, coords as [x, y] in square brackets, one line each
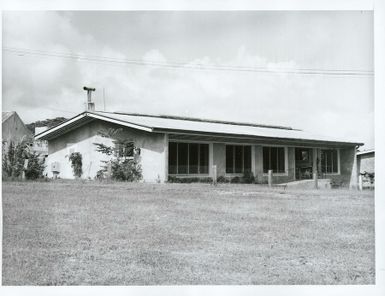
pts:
[58, 110]
[186, 65]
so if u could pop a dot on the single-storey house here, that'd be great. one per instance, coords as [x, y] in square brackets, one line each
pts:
[172, 146]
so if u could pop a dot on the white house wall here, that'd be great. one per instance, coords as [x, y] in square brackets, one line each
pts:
[152, 157]
[152, 153]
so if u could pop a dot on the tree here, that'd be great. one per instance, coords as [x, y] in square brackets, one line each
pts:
[124, 163]
[47, 122]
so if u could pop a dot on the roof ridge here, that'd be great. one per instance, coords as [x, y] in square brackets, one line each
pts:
[174, 117]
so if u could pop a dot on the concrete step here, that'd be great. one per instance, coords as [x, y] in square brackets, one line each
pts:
[308, 184]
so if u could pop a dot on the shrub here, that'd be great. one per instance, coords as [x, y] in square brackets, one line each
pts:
[76, 163]
[173, 179]
[248, 177]
[206, 180]
[100, 174]
[222, 179]
[13, 160]
[235, 180]
[126, 170]
[35, 167]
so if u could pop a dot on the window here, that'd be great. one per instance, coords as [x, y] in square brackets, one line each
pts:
[238, 159]
[203, 158]
[329, 161]
[303, 154]
[188, 158]
[274, 159]
[124, 149]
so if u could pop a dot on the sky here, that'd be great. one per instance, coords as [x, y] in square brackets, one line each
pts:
[43, 86]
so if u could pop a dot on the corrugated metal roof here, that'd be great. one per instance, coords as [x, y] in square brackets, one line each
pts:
[198, 119]
[241, 129]
[174, 124]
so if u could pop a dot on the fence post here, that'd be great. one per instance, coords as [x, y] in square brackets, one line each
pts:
[270, 177]
[316, 180]
[24, 168]
[109, 170]
[214, 176]
[360, 182]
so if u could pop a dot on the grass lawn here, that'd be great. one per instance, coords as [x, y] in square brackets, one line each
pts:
[69, 233]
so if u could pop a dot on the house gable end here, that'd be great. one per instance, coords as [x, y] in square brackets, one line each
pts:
[82, 119]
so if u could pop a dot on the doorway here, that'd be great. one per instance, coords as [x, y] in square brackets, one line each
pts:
[303, 163]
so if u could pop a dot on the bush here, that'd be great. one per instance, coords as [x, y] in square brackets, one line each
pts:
[173, 179]
[222, 179]
[126, 170]
[100, 174]
[35, 167]
[14, 158]
[248, 177]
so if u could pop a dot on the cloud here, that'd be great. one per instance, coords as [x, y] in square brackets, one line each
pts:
[38, 86]
[154, 56]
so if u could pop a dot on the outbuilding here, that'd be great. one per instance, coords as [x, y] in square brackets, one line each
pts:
[13, 129]
[365, 161]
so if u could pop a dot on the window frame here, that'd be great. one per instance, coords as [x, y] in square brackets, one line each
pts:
[285, 160]
[117, 150]
[233, 174]
[188, 158]
[338, 161]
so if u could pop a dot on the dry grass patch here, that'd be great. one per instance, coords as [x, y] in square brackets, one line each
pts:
[72, 233]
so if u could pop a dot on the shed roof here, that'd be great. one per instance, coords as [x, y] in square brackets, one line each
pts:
[184, 125]
[365, 152]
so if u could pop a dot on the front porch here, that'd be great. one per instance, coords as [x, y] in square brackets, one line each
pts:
[234, 160]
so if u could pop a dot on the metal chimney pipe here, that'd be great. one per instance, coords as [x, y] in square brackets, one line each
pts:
[90, 105]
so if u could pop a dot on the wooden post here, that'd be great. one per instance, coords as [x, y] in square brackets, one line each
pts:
[270, 177]
[214, 175]
[316, 179]
[25, 167]
[109, 170]
[360, 182]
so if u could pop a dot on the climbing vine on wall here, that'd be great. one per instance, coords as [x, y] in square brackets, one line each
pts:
[76, 163]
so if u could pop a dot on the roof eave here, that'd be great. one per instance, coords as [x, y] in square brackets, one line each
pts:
[246, 136]
[45, 135]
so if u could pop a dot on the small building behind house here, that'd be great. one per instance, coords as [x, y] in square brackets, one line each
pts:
[365, 161]
[366, 166]
[13, 129]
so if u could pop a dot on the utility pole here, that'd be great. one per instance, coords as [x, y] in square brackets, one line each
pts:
[104, 100]
[90, 105]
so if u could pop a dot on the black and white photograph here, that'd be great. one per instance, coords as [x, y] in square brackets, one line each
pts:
[176, 147]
